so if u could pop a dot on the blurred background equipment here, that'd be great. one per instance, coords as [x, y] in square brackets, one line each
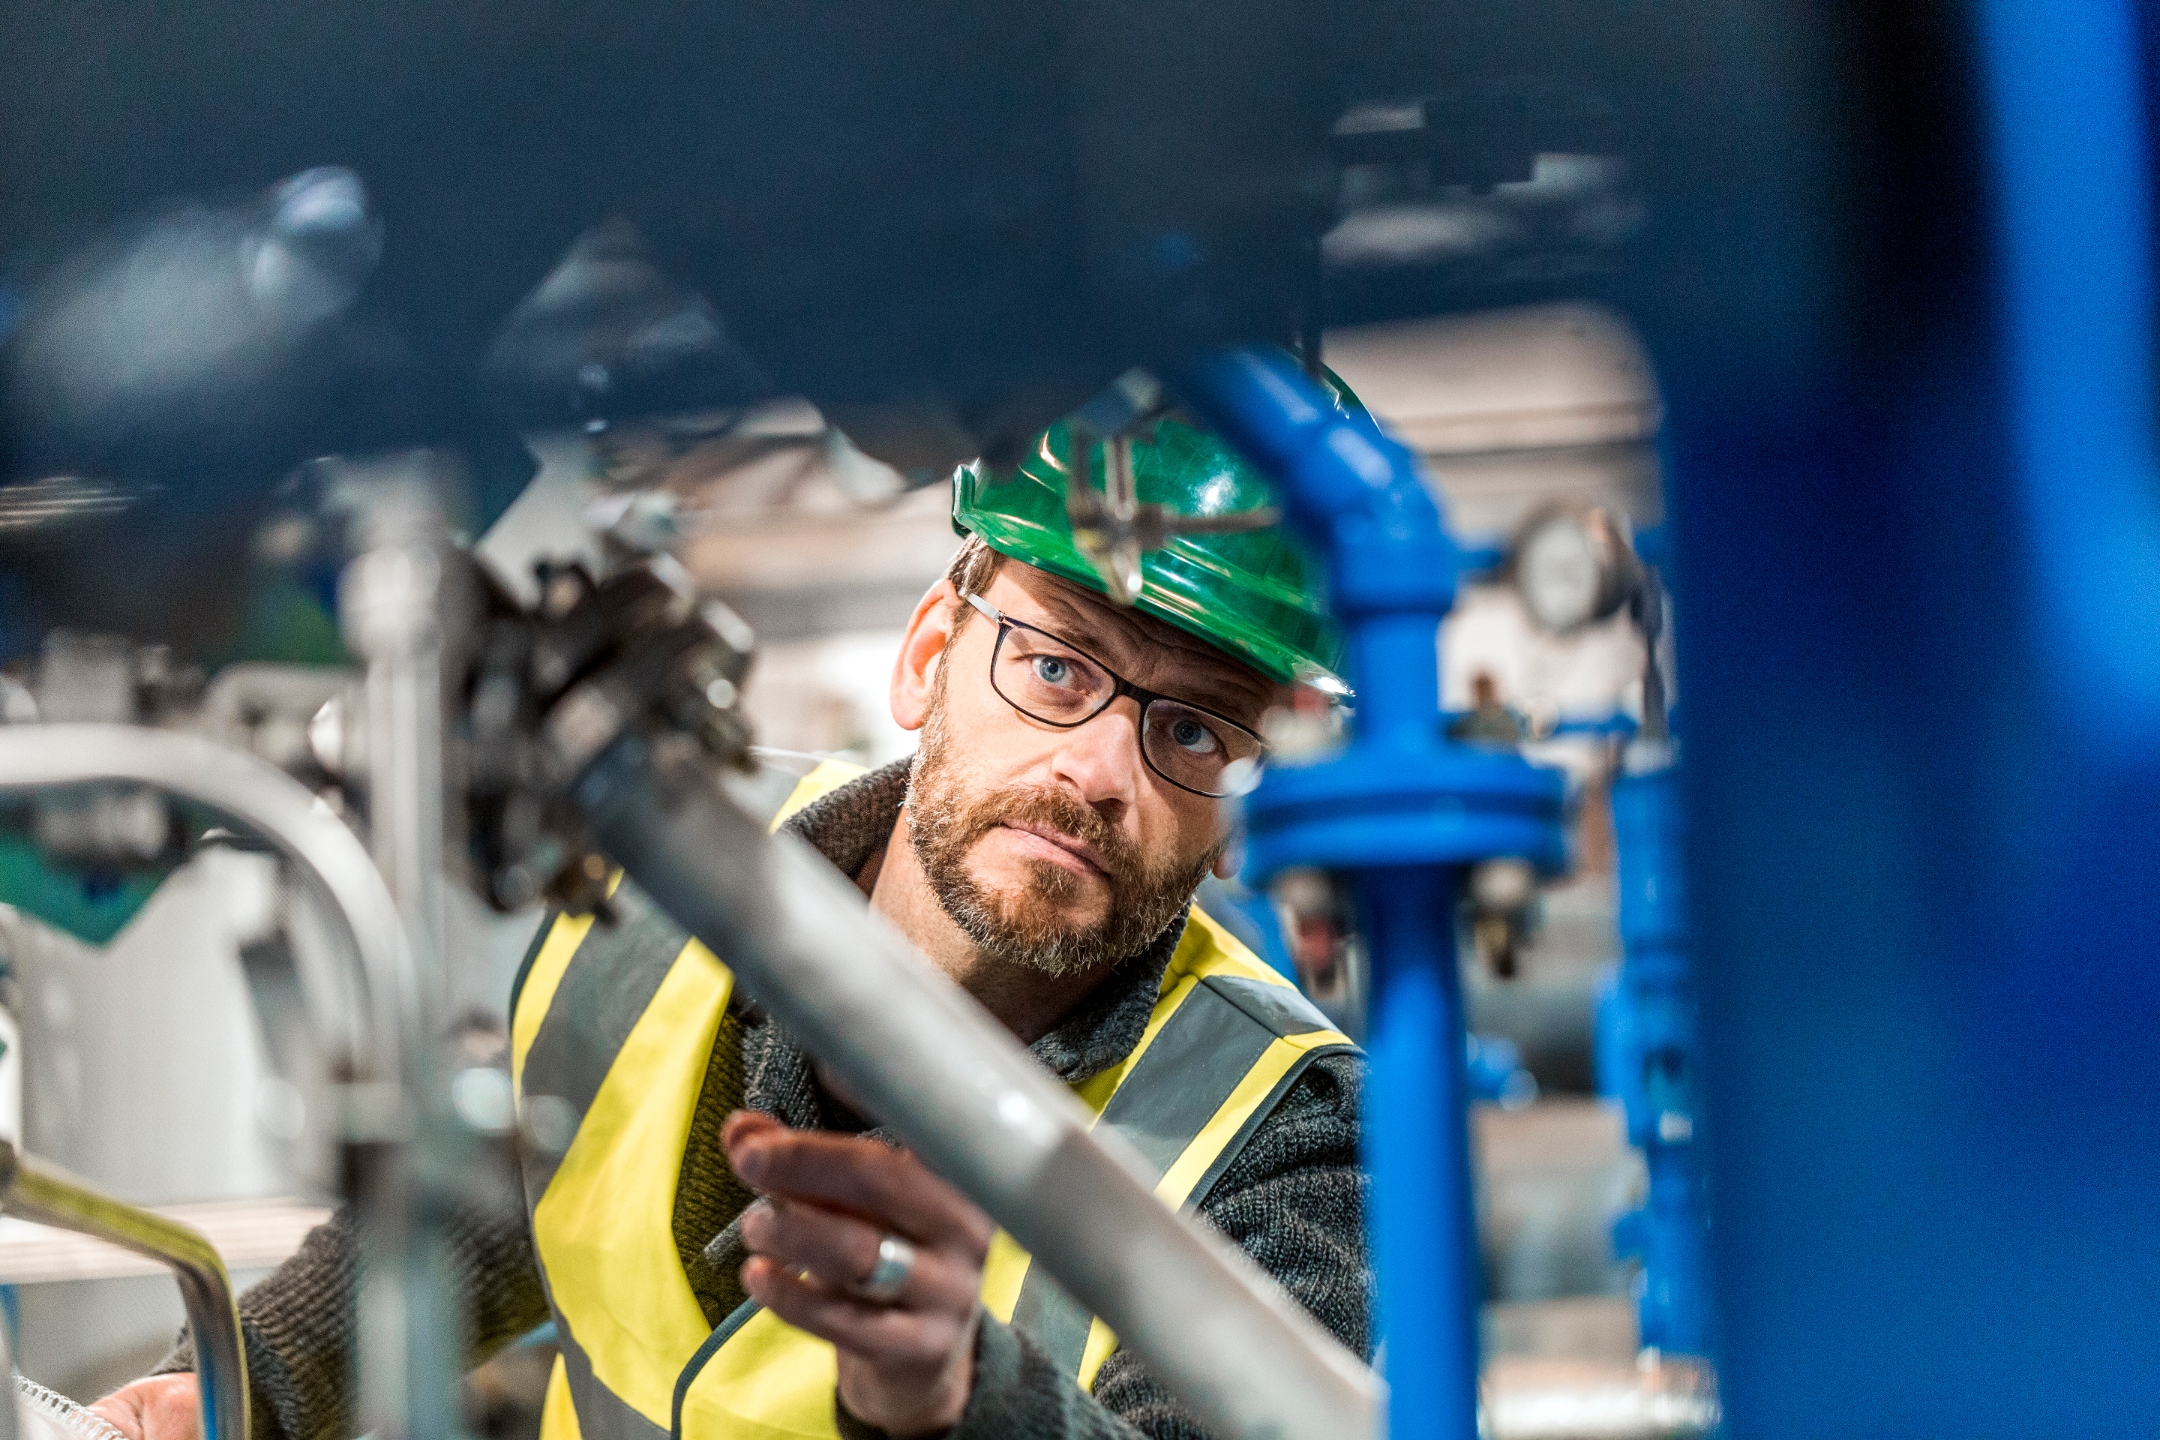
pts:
[295, 295]
[770, 511]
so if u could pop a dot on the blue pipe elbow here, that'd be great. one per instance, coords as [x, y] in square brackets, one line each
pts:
[1400, 811]
[1346, 484]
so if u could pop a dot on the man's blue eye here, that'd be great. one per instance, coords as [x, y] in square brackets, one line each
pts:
[1051, 670]
[1192, 735]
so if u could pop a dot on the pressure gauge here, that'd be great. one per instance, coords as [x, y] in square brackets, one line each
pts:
[1572, 566]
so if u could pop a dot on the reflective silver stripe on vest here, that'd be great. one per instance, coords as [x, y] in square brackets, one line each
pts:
[1288, 1013]
[601, 1413]
[597, 1004]
[601, 997]
[1208, 1047]
[1281, 1009]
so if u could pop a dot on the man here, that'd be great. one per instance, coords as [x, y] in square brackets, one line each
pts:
[727, 1248]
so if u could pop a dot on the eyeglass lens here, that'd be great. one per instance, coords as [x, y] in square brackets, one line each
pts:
[1060, 686]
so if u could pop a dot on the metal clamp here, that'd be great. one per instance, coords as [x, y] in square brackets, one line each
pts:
[554, 690]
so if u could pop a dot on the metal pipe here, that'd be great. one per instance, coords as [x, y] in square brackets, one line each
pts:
[40, 1192]
[381, 1061]
[328, 857]
[962, 1093]
[390, 606]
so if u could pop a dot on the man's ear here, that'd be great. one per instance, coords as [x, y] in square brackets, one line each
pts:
[921, 649]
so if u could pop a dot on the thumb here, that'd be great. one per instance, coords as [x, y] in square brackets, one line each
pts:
[161, 1407]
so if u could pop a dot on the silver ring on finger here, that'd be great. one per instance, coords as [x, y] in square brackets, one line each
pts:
[887, 1278]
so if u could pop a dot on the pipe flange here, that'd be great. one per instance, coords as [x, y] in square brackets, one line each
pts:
[1373, 806]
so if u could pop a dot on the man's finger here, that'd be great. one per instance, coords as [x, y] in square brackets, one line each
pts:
[876, 1333]
[741, 1124]
[843, 1171]
[841, 1251]
[890, 1188]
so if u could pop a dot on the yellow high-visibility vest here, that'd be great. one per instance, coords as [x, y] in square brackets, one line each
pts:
[623, 1034]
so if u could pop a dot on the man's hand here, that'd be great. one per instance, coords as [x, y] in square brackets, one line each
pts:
[905, 1367]
[161, 1407]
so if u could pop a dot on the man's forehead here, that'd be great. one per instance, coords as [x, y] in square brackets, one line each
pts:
[1136, 641]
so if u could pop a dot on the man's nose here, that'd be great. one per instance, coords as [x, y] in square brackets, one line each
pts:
[1101, 758]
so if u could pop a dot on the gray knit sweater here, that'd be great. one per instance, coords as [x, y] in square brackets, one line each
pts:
[1294, 1199]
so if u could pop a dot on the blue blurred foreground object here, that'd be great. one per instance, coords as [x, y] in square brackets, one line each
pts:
[1650, 1055]
[1916, 521]
[1401, 812]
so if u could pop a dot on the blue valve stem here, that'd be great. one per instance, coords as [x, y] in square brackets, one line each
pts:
[1422, 1222]
[1403, 714]
[1658, 1069]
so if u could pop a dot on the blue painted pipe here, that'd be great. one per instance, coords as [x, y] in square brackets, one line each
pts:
[2075, 222]
[1400, 812]
[1423, 1223]
[1497, 1073]
[1653, 1065]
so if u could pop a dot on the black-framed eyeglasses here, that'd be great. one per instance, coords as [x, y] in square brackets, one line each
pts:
[1057, 683]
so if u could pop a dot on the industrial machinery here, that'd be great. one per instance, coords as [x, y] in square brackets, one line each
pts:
[1652, 1052]
[1895, 269]
[1573, 567]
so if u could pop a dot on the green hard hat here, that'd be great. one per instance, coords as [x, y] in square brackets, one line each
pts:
[1257, 594]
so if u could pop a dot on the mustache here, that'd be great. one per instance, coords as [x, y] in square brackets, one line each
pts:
[1038, 805]
[1148, 889]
